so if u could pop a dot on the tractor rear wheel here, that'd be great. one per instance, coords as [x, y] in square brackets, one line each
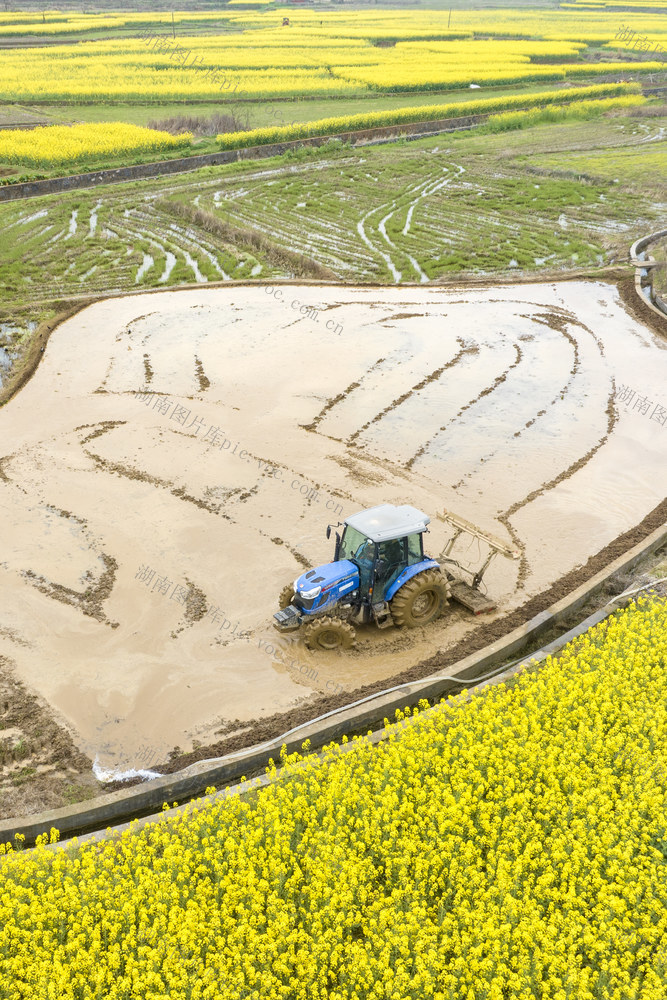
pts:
[286, 595]
[329, 633]
[421, 600]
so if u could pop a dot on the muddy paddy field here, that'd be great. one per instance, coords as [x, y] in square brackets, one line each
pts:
[176, 458]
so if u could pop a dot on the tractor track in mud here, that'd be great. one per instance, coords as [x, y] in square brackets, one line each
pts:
[486, 391]
[464, 349]
[89, 601]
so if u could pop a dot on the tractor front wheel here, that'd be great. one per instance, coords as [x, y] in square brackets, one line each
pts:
[421, 600]
[329, 633]
[286, 595]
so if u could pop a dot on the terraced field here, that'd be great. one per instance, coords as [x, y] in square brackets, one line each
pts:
[427, 322]
[643, 162]
[428, 406]
[97, 244]
[190, 458]
[405, 212]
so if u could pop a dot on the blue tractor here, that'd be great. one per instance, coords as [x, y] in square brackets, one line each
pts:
[380, 574]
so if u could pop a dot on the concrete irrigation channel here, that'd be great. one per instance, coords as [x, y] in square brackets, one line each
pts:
[644, 263]
[175, 459]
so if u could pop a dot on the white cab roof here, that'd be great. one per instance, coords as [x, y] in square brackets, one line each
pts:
[386, 521]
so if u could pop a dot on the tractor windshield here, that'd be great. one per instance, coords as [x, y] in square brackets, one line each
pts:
[356, 546]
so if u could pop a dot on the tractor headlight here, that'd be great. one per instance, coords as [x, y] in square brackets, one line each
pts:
[310, 595]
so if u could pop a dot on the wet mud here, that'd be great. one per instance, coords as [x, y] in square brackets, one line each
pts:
[175, 459]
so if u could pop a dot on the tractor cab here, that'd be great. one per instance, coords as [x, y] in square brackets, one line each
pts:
[383, 543]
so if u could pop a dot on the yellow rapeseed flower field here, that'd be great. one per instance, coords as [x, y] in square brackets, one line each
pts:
[54, 145]
[510, 846]
[321, 53]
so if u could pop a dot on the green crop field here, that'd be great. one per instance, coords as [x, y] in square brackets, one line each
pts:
[645, 162]
[475, 203]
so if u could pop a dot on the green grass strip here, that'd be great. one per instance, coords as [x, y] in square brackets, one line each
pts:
[578, 111]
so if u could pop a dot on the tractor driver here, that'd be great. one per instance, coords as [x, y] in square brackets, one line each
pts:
[365, 559]
[393, 561]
